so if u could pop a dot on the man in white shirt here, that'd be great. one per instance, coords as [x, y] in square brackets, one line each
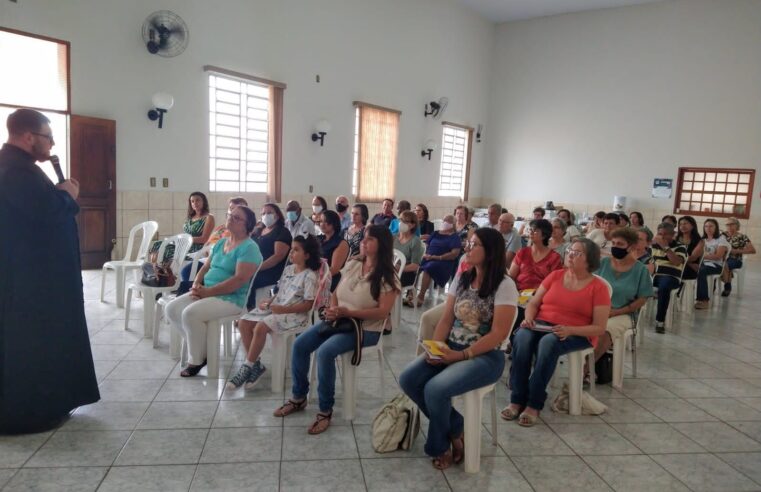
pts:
[342, 207]
[512, 239]
[601, 237]
[296, 223]
[495, 210]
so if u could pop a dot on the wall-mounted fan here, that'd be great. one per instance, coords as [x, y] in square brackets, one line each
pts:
[165, 34]
[436, 108]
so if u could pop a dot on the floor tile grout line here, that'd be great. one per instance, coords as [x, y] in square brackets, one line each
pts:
[718, 456]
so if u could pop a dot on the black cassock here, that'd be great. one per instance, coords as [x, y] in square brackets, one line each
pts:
[46, 366]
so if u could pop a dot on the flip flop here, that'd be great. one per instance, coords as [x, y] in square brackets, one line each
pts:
[527, 420]
[508, 414]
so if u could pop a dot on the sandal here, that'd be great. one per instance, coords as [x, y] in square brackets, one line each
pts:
[443, 462]
[321, 423]
[509, 414]
[290, 407]
[458, 449]
[191, 371]
[527, 420]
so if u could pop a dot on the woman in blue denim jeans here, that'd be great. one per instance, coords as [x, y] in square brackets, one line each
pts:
[478, 314]
[567, 313]
[367, 291]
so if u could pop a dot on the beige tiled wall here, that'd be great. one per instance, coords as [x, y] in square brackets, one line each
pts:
[169, 209]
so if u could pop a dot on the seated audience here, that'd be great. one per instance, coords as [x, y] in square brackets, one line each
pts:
[219, 289]
[631, 284]
[715, 249]
[401, 207]
[319, 205]
[356, 231]
[642, 250]
[463, 226]
[558, 242]
[199, 222]
[740, 245]
[296, 223]
[479, 309]
[274, 242]
[425, 226]
[576, 305]
[386, 214]
[342, 207]
[493, 213]
[413, 249]
[218, 233]
[670, 219]
[688, 236]
[638, 222]
[439, 260]
[534, 263]
[601, 237]
[537, 213]
[669, 257]
[288, 310]
[367, 291]
[595, 223]
[335, 249]
[571, 231]
[511, 237]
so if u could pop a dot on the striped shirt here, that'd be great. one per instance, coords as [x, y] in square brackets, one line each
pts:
[662, 264]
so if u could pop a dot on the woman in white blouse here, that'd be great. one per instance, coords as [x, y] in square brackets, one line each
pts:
[715, 247]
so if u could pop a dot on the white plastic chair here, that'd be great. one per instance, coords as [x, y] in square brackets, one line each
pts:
[473, 403]
[400, 261]
[214, 330]
[182, 243]
[121, 267]
[714, 281]
[619, 350]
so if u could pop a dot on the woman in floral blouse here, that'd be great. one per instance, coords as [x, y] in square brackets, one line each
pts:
[740, 245]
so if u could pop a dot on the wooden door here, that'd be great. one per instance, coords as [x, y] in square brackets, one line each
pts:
[93, 164]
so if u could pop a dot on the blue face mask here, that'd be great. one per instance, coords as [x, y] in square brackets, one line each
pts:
[292, 216]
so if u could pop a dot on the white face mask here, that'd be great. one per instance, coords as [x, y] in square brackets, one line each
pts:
[317, 208]
[268, 219]
[445, 226]
[403, 228]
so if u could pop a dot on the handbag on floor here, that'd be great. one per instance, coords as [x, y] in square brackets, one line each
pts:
[604, 369]
[396, 425]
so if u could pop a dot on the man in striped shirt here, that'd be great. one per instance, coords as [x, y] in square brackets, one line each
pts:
[669, 257]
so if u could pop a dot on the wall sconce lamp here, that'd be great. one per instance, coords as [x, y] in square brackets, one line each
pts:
[321, 128]
[162, 102]
[430, 146]
[479, 130]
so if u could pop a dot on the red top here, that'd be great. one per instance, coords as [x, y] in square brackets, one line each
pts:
[531, 273]
[571, 307]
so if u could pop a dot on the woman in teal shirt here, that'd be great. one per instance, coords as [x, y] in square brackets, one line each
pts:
[219, 289]
[631, 283]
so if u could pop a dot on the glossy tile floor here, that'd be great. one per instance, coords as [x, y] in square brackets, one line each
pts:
[690, 421]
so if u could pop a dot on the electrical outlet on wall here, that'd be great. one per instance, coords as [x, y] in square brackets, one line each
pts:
[311, 188]
[153, 182]
[165, 182]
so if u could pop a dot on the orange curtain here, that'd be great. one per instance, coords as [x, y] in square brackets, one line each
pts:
[275, 154]
[378, 141]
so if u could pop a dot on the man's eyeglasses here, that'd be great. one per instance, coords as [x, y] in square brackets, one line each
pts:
[49, 137]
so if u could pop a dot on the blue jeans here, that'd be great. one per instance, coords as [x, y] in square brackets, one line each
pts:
[529, 388]
[328, 348]
[665, 284]
[703, 273]
[432, 388]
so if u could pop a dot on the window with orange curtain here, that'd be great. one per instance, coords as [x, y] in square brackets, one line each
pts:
[375, 152]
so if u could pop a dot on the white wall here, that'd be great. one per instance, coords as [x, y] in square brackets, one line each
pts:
[397, 53]
[591, 105]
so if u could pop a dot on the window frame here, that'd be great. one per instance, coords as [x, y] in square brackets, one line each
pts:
[273, 185]
[680, 188]
[466, 165]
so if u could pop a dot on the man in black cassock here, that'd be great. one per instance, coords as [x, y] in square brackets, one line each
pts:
[46, 366]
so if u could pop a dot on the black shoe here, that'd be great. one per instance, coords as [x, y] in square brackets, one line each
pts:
[660, 328]
[386, 331]
[725, 293]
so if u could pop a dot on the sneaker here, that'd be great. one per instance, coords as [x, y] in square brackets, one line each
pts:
[660, 327]
[237, 381]
[701, 305]
[255, 375]
[726, 292]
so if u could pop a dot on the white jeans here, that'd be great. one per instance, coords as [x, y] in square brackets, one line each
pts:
[189, 317]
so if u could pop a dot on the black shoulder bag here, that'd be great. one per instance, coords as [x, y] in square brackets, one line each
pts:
[346, 325]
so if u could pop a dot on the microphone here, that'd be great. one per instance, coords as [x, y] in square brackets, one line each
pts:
[57, 168]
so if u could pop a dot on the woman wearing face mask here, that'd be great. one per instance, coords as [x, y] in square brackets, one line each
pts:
[439, 259]
[413, 248]
[334, 247]
[631, 286]
[274, 242]
[319, 205]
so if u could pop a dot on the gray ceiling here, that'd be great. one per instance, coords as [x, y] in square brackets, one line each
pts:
[511, 10]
